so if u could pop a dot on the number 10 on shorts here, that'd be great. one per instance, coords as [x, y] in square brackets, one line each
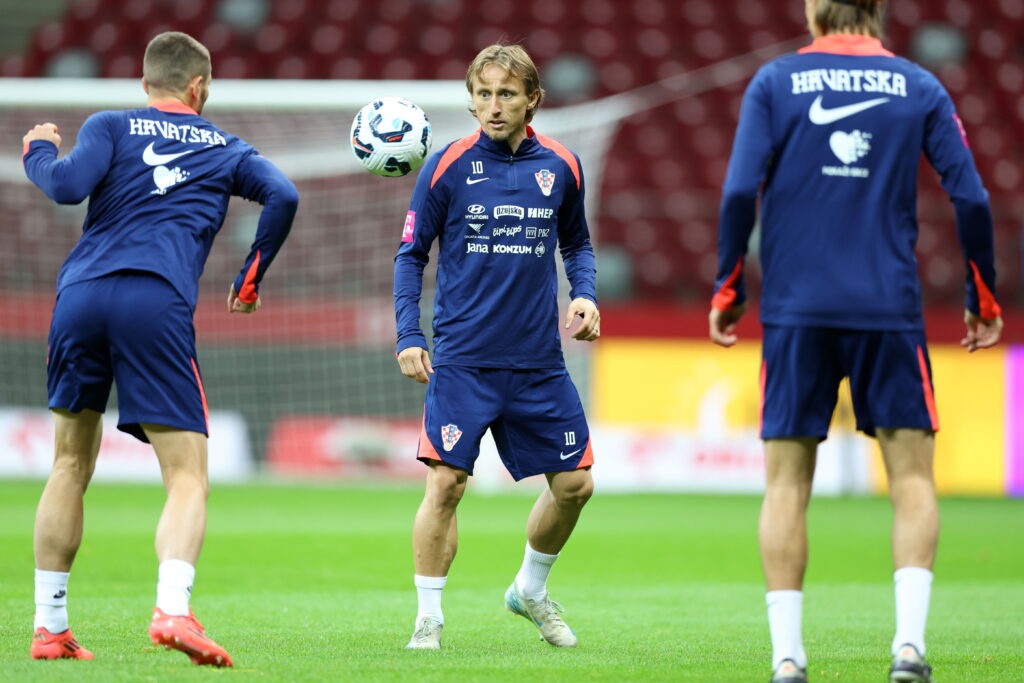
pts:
[570, 438]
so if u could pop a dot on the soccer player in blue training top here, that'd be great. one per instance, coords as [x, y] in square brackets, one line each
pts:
[158, 181]
[834, 133]
[499, 201]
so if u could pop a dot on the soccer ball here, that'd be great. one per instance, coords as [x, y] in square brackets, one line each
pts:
[391, 136]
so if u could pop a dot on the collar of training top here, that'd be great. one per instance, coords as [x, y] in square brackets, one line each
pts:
[848, 44]
[174, 107]
[503, 148]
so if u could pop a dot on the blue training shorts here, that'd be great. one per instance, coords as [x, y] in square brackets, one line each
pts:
[535, 417]
[132, 328]
[890, 380]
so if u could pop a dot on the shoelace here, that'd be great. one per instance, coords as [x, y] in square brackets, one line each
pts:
[424, 629]
[552, 611]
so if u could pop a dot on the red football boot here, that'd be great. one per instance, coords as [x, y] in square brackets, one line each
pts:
[46, 645]
[186, 634]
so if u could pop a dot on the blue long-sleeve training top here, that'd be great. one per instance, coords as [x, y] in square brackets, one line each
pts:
[831, 137]
[498, 218]
[158, 181]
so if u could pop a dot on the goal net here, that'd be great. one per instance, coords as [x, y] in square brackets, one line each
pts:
[314, 368]
[322, 343]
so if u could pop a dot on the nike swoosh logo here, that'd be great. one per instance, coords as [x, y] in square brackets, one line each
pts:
[566, 456]
[151, 158]
[474, 182]
[821, 116]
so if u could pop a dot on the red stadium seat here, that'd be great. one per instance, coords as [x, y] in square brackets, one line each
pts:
[662, 177]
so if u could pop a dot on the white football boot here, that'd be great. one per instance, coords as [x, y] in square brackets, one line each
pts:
[544, 613]
[427, 635]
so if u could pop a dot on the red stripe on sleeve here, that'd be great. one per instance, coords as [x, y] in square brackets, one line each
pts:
[726, 294]
[926, 385]
[989, 308]
[248, 294]
[454, 151]
[562, 151]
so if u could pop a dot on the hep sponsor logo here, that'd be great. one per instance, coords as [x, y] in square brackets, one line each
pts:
[534, 212]
[410, 225]
[509, 210]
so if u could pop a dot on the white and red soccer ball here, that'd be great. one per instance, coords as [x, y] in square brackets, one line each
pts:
[391, 136]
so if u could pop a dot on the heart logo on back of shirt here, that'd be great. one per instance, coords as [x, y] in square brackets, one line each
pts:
[163, 177]
[849, 147]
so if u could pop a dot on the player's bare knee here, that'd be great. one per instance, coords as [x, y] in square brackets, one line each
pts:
[575, 494]
[446, 485]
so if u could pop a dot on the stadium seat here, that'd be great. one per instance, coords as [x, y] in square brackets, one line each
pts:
[664, 164]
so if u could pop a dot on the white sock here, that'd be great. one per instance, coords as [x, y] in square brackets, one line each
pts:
[52, 600]
[913, 592]
[785, 615]
[428, 592]
[174, 587]
[532, 579]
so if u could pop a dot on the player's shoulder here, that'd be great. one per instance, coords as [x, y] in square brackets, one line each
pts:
[439, 162]
[562, 152]
[108, 118]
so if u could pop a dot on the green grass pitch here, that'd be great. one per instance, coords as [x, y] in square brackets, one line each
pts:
[315, 583]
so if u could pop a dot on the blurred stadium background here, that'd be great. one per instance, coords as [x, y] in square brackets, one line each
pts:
[647, 92]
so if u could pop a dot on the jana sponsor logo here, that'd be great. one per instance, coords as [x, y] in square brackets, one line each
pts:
[509, 210]
[410, 226]
[450, 435]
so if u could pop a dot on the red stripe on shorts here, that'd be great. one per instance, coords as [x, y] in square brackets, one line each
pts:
[760, 408]
[929, 395]
[426, 449]
[202, 394]
[588, 456]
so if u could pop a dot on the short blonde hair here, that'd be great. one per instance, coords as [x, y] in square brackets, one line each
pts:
[173, 59]
[840, 16]
[515, 60]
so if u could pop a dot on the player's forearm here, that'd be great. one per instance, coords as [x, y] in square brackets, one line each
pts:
[408, 289]
[975, 232]
[737, 218]
[581, 271]
[58, 179]
[275, 224]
